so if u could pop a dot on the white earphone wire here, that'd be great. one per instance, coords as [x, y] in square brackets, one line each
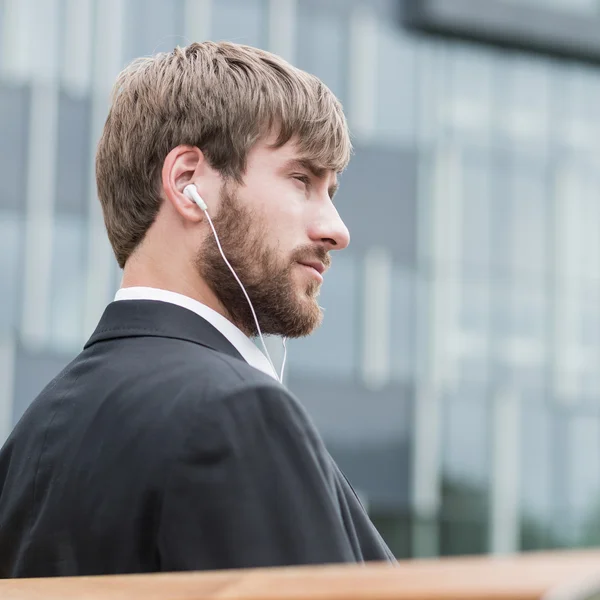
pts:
[190, 190]
[245, 293]
[284, 342]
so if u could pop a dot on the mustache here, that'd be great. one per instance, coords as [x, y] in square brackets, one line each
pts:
[312, 253]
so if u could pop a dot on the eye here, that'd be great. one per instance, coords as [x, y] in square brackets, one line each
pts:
[305, 179]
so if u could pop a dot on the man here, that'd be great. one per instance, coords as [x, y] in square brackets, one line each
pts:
[168, 443]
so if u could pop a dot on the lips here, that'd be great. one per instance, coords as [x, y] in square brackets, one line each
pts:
[319, 267]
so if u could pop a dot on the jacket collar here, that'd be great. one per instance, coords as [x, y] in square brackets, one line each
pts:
[150, 318]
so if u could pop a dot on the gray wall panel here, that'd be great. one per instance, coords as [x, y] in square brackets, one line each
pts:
[377, 200]
[73, 157]
[368, 433]
[33, 371]
[14, 128]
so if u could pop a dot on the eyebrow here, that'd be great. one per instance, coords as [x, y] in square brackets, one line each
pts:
[309, 165]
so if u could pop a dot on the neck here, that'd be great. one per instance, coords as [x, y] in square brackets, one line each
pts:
[148, 273]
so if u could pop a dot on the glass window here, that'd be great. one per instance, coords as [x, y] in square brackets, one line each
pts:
[67, 283]
[432, 88]
[475, 297]
[544, 515]
[11, 251]
[403, 324]
[579, 189]
[591, 222]
[33, 371]
[73, 154]
[466, 467]
[472, 69]
[459, 537]
[465, 453]
[520, 324]
[331, 349]
[474, 331]
[583, 475]
[528, 314]
[528, 202]
[589, 533]
[323, 47]
[396, 84]
[520, 218]
[240, 21]
[475, 307]
[14, 124]
[525, 84]
[589, 334]
[579, 93]
[536, 440]
[577, 288]
[152, 26]
[471, 95]
[537, 533]
[2, 9]
[395, 530]
[476, 213]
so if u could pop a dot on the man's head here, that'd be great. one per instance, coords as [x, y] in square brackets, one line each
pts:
[263, 142]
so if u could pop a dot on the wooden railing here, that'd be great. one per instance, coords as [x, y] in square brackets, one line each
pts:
[521, 577]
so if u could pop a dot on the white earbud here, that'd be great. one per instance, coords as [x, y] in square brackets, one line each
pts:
[191, 192]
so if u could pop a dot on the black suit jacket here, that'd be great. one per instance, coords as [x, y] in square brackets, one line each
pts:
[160, 449]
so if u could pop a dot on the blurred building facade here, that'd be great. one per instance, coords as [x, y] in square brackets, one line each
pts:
[457, 374]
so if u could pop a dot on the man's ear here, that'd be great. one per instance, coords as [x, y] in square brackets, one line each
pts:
[182, 166]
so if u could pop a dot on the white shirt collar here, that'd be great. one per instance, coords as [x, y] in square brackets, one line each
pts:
[242, 343]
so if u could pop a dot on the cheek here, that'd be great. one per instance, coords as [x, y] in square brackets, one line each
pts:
[285, 215]
[280, 213]
[275, 194]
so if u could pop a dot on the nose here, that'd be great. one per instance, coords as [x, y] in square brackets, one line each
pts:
[329, 229]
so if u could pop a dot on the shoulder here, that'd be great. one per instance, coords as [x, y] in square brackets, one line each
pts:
[214, 375]
[267, 401]
[248, 418]
[169, 377]
[181, 364]
[209, 385]
[253, 398]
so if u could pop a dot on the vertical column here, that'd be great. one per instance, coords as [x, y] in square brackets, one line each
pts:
[568, 357]
[41, 171]
[431, 92]
[376, 318]
[197, 17]
[437, 313]
[282, 28]
[445, 253]
[107, 52]
[16, 39]
[77, 46]
[506, 424]
[7, 379]
[426, 471]
[363, 70]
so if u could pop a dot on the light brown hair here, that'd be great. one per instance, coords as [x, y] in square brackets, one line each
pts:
[220, 97]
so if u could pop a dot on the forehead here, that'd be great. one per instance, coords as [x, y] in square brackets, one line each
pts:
[266, 153]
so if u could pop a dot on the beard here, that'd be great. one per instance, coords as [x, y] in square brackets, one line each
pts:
[282, 306]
